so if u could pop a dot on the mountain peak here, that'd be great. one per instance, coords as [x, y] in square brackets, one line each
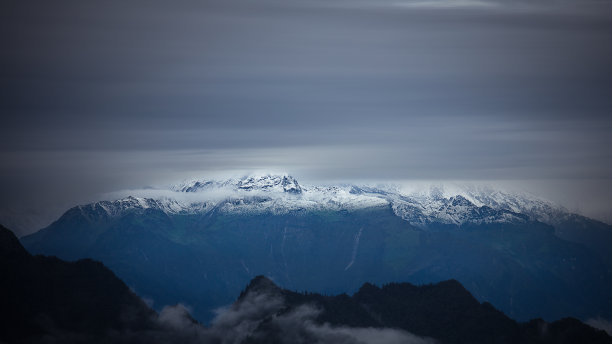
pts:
[254, 182]
[286, 183]
[9, 244]
[261, 284]
[280, 193]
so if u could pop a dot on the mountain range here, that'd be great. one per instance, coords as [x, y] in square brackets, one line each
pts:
[53, 301]
[200, 241]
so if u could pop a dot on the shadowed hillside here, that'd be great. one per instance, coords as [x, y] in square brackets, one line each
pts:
[45, 296]
[53, 301]
[445, 311]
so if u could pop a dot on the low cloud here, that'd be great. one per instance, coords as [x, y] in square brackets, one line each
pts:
[601, 323]
[299, 326]
[240, 321]
[260, 317]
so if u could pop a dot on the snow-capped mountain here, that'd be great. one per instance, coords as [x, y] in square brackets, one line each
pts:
[199, 242]
[266, 182]
[448, 204]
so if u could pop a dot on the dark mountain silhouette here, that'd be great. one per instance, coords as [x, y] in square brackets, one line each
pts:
[47, 299]
[445, 311]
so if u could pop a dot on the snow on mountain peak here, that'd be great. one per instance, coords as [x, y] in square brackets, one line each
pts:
[419, 204]
[254, 182]
[284, 183]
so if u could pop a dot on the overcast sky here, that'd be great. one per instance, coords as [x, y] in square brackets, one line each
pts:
[98, 96]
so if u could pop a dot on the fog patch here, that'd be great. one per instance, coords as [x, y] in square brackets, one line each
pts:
[601, 323]
[266, 317]
[299, 326]
[241, 320]
[261, 317]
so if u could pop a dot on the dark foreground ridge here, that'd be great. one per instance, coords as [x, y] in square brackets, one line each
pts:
[47, 300]
[445, 311]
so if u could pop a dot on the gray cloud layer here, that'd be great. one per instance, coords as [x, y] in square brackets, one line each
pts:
[105, 95]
